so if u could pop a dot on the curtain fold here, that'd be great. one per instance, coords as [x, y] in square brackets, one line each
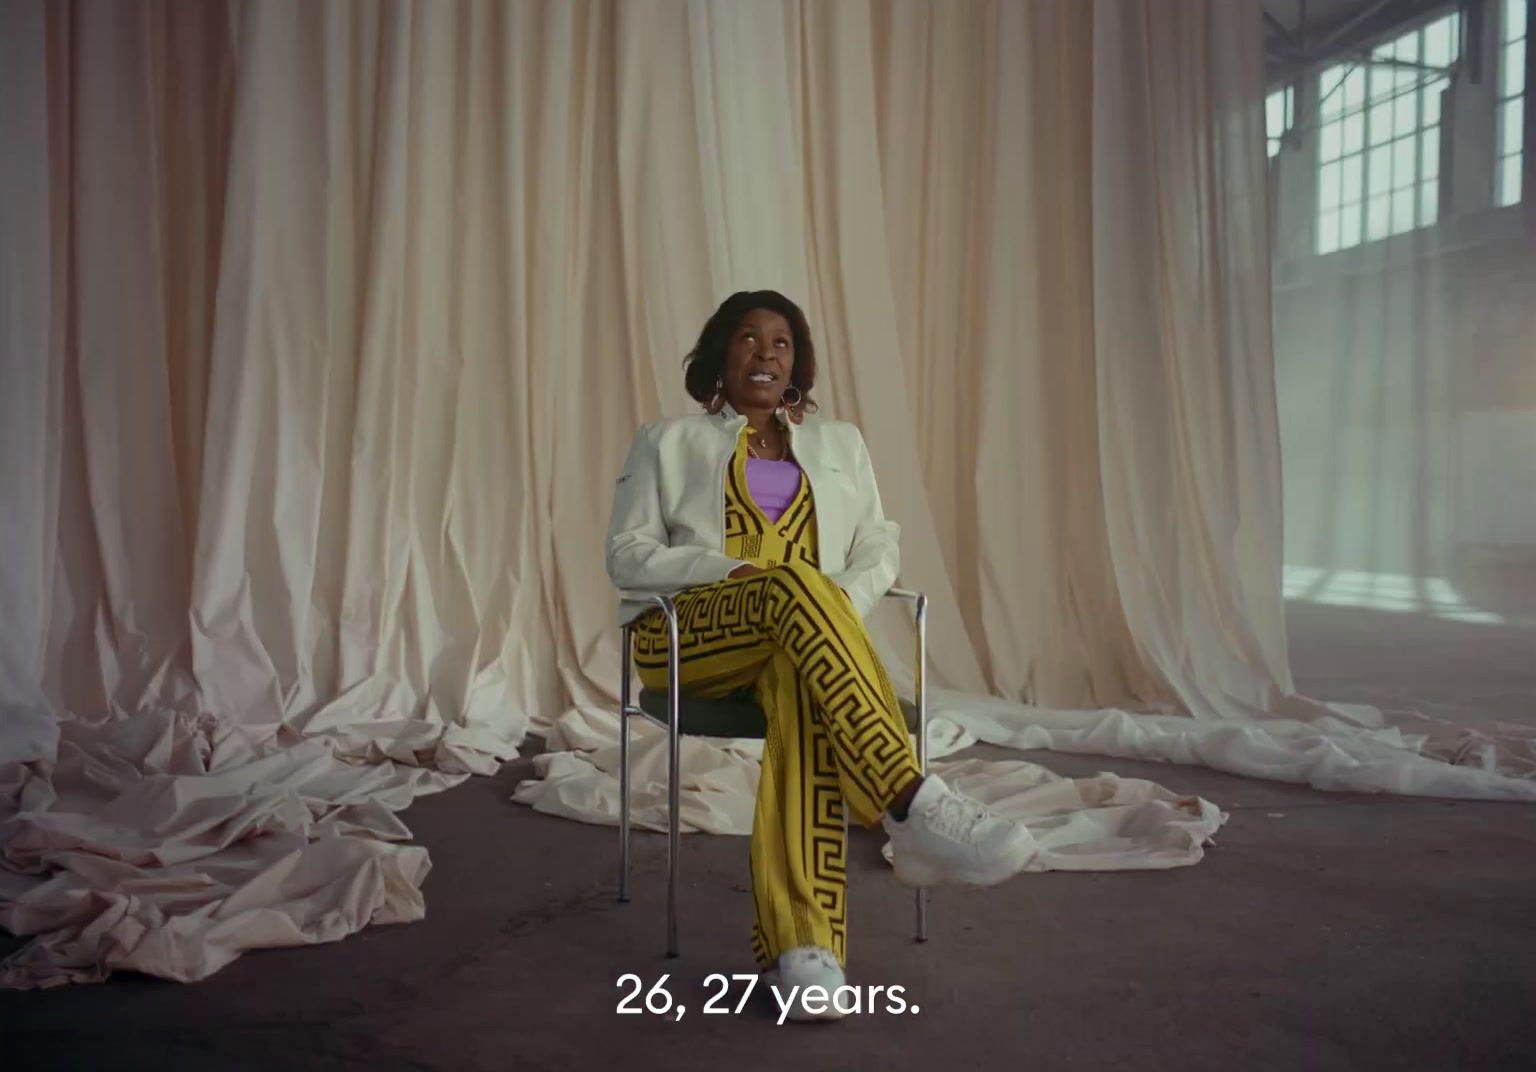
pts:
[1186, 404]
[326, 327]
[363, 302]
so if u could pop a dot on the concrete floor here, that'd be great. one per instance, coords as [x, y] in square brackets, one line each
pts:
[1325, 931]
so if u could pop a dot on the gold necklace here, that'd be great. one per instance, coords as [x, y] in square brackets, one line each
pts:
[763, 442]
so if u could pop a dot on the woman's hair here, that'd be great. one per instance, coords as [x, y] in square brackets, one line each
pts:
[705, 364]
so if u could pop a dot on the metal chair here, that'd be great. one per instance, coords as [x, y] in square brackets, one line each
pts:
[731, 716]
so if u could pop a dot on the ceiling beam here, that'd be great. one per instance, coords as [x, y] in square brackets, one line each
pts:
[1291, 53]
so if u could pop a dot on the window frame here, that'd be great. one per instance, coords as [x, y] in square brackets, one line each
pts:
[1275, 143]
[1466, 219]
[1366, 209]
[1503, 100]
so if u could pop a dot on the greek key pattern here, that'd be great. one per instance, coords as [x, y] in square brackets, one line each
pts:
[808, 617]
[824, 838]
[836, 739]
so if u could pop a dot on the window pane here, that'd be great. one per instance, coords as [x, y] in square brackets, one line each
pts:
[1329, 93]
[1437, 44]
[1274, 114]
[1429, 153]
[1354, 88]
[1328, 142]
[1509, 180]
[1378, 215]
[1352, 179]
[1327, 232]
[1429, 203]
[1405, 114]
[1403, 170]
[1433, 94]
[1379, 171]
[1354, 132]
[1514, 121]
[1349, 226]
[1383, 81]
[1408, 47]
[1514, 69]
[1381, 123]
[1402, 211]
[1514, 19]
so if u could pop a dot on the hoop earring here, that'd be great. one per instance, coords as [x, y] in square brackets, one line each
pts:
[792, 409]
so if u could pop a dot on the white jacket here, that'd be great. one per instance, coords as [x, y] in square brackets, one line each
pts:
[667, 532]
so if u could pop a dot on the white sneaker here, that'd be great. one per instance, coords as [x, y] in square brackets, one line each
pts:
[950, 839]
[805, 966]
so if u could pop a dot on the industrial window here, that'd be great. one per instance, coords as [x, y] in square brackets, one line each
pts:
[1379, 138]
[1279, 114]
[1511, 114]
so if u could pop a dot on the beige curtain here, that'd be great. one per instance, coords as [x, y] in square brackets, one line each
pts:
[356, 308]
[364, 302]
[325, 328]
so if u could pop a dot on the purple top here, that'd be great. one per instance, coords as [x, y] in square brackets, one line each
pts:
[772, 485]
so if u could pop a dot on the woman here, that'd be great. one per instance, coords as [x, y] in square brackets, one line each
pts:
[768, 523]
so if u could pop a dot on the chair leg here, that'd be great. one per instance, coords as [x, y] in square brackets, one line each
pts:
[922, 736]
[674, 777]
[624, 716]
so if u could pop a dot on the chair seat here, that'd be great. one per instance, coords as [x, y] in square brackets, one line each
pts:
[735, 715]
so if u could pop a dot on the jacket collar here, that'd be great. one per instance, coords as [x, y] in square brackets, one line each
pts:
[734, 422]
[730, 418]
[804, 441]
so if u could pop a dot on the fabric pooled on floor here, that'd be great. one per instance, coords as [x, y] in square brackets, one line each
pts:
[1341, 747]
[169, 844]
[1101, 823]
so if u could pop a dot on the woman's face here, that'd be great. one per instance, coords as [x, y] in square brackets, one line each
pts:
[759, 361]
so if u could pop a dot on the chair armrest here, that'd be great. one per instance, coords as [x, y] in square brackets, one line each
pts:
[632, 605]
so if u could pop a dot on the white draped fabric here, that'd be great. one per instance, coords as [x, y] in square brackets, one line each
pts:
[324, 329]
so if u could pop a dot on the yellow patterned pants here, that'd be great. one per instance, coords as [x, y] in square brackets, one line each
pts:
[835, 734]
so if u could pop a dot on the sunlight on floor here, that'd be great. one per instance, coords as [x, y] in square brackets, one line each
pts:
[1392, 592]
